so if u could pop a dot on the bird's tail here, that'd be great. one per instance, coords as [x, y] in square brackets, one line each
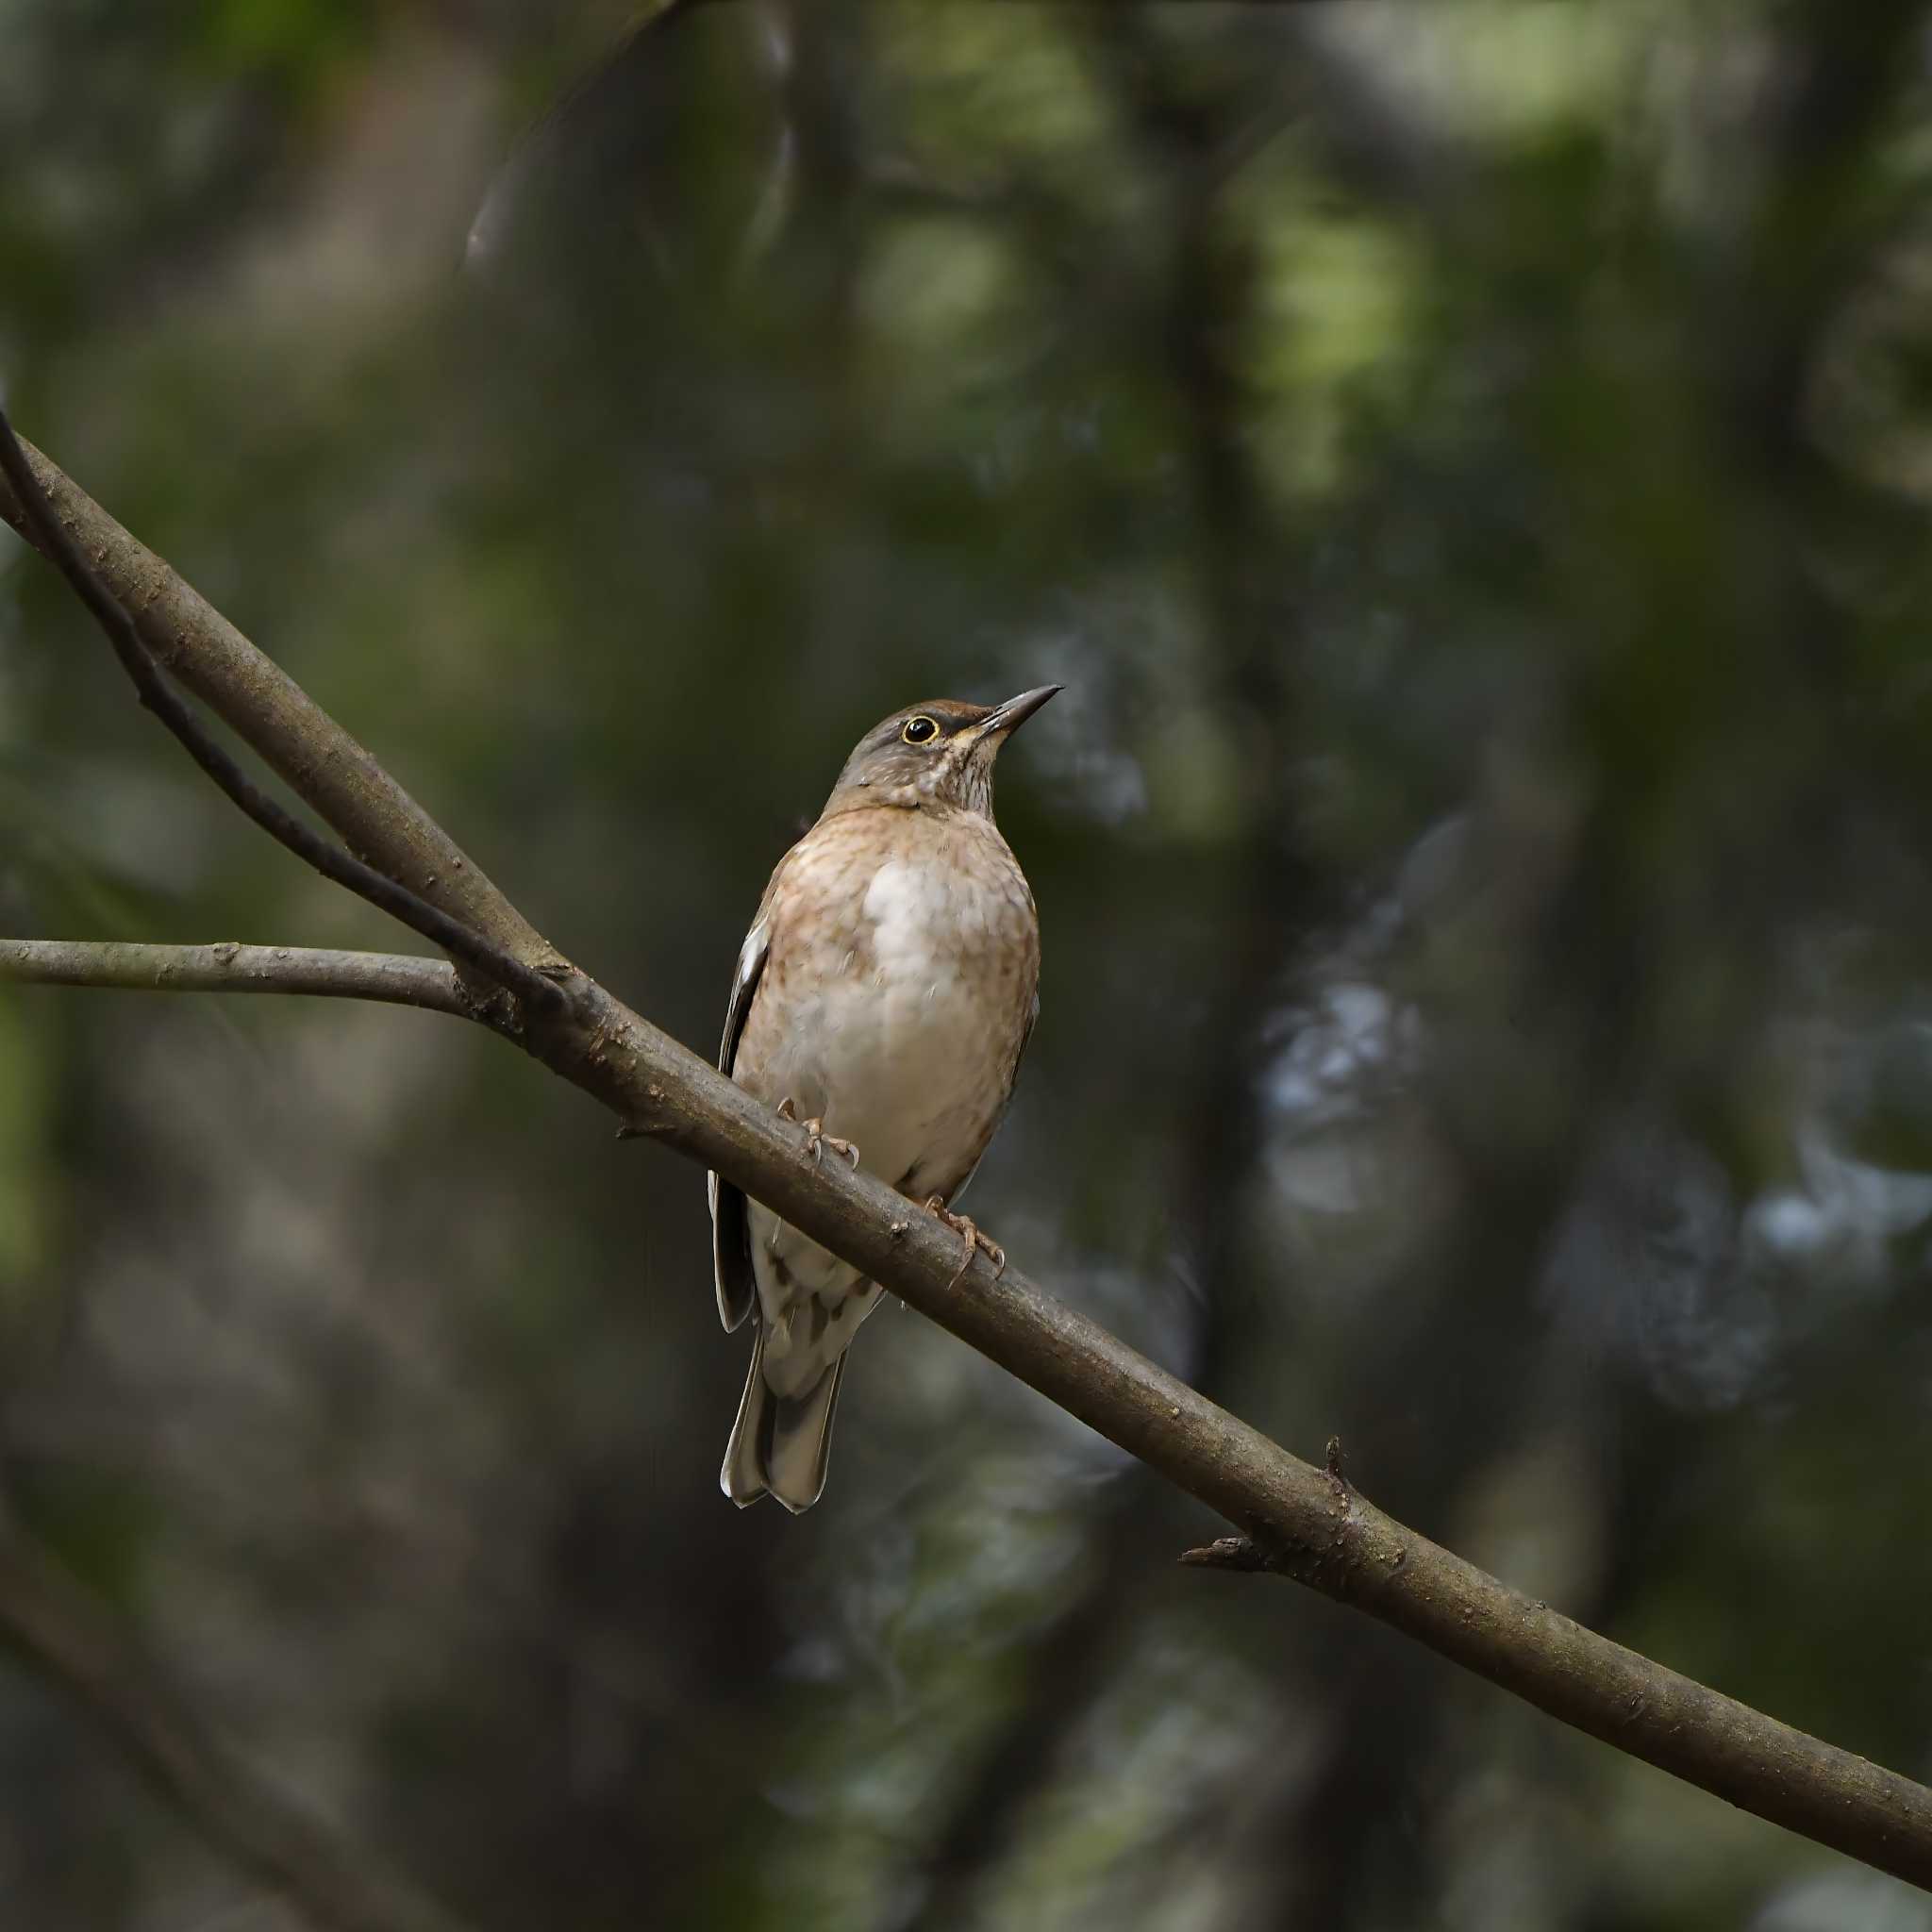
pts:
[780, 1445]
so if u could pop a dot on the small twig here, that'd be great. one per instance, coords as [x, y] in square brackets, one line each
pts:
[393, 978]
[124, 630]
[1229, 1552]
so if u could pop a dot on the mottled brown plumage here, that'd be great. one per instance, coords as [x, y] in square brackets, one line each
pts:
[884, 996]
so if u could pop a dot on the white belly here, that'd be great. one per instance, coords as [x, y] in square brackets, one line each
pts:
[903, 1046]
[897, 1060]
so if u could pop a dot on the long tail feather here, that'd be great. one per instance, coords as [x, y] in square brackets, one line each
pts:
[781, 1445]
[801, 1444]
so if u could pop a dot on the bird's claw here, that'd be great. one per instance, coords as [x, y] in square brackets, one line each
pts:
[967, 1230]
[816, 1139]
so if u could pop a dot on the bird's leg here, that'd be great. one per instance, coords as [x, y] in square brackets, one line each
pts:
[816, 1139]
[967, 1230]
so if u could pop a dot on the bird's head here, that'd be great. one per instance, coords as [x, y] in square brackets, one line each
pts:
[940, 752]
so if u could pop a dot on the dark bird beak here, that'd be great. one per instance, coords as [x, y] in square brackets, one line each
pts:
[1015, 711]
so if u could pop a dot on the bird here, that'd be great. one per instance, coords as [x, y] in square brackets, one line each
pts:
[883, 998]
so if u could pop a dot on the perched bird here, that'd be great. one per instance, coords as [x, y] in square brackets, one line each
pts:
[884, 996]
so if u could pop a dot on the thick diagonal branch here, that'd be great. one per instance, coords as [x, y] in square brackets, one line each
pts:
[1310, 1525]
[126, 631]
[324, 767]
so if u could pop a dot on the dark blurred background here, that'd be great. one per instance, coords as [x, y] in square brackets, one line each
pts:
[1469, 464]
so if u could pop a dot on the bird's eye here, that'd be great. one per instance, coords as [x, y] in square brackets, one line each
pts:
[918, 730]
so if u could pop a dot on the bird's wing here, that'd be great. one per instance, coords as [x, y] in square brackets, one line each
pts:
[730, 1218]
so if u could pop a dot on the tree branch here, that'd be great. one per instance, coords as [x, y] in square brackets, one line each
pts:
[334, 774]
[125, 630]
[52, 1621]
[1311, 1527]
[397, 980]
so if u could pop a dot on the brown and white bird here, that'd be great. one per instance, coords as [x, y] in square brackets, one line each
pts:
[884, 996]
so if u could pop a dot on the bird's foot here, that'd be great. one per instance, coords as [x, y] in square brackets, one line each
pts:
[967, 1230]
[816, 1139]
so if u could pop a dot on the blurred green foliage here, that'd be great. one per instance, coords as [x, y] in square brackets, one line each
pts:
[1469, 465]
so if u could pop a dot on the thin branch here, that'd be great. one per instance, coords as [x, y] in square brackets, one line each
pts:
[124, 631]
[330, 771]
[397, 980]
[1312, 1528]
[48, 1618]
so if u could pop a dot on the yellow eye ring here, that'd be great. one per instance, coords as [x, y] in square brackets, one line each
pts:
[919, 730]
